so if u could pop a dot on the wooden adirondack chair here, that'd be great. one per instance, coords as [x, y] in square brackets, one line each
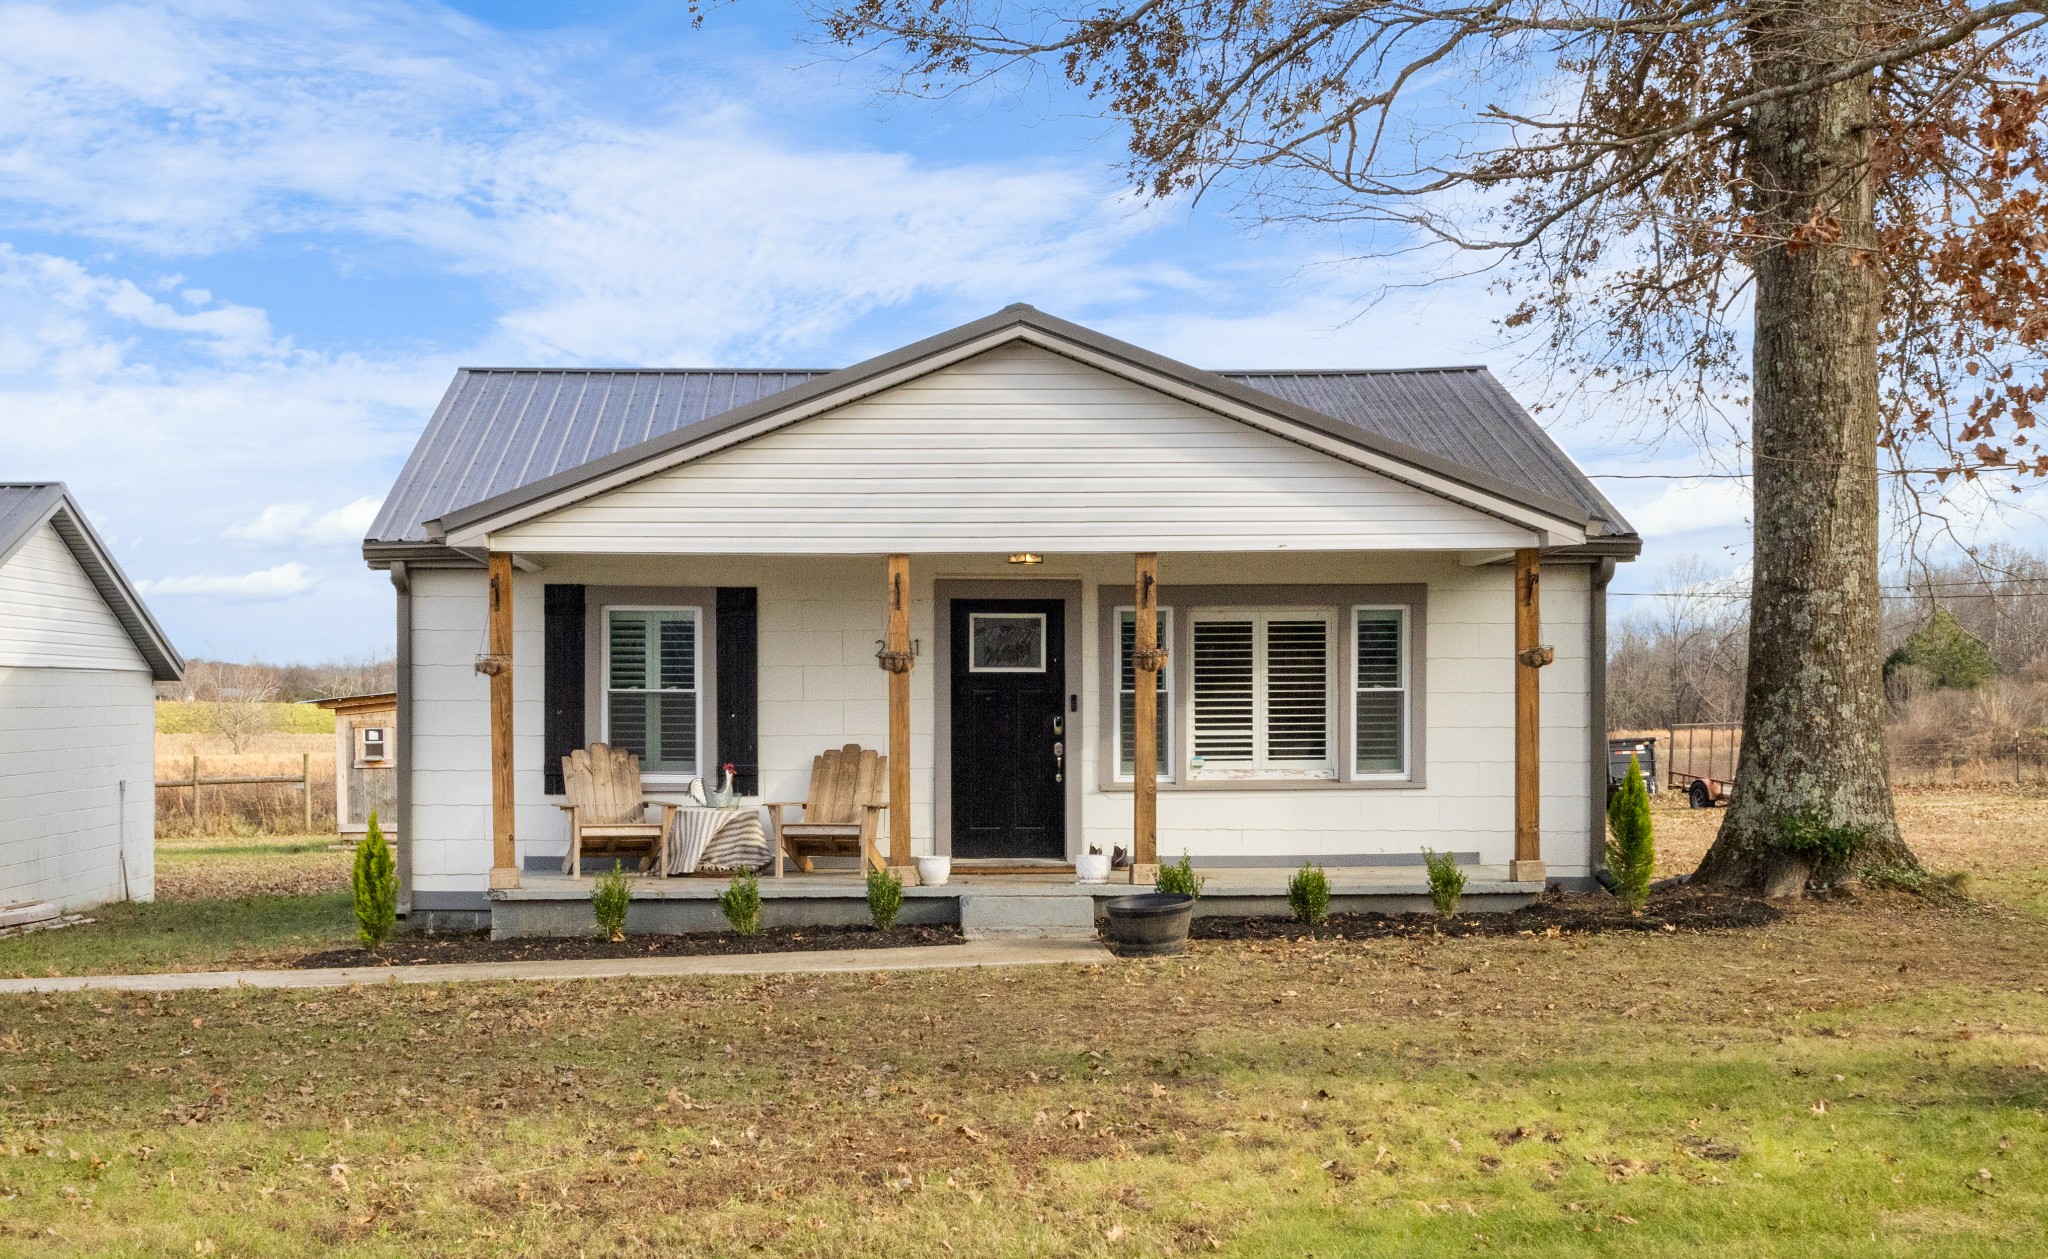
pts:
[849, 794]
[608, 810]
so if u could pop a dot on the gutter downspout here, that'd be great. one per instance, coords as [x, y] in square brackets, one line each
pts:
[1596, 717]
[401, 580]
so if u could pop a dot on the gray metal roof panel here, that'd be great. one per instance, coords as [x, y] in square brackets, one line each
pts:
[25, 506]
[501, 430]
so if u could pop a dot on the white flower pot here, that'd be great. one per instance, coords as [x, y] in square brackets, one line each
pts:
[933, 871]
[1091, 867]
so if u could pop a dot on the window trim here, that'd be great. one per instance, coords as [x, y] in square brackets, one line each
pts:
[1114, 665]
[1339, 598]
[1353, 621]
[604, 682]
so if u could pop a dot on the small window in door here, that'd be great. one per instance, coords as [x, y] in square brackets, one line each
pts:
[1006, 642]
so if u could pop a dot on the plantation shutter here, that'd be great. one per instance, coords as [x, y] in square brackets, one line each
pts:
[561, 680]
[1225, 691]
[651, 687]
[1382, 692]
[1127, 694]
[1262, 695]
[1298, 691]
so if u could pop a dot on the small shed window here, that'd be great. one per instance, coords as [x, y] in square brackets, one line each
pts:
[651, 670]
[373, 745]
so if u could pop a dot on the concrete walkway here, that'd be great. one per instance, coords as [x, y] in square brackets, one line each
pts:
[995, 951]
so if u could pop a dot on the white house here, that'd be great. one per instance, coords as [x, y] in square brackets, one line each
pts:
[700, 565]
[79, 659]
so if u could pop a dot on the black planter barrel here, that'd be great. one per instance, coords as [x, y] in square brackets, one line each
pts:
[1154, 924]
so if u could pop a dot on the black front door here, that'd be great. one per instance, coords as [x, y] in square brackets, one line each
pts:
[1009, 728]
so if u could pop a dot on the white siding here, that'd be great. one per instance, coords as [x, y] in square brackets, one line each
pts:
[68, 739]
[52, 617]
[820, 687]
[1015, 449]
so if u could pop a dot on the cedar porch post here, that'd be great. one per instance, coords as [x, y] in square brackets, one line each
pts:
[898, 649]
[1530, 656]
[498, 667]
[1146, 660]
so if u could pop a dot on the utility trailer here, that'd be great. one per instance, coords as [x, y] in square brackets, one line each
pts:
[1700, 760]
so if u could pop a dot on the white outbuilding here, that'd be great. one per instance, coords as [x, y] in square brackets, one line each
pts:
[79, 659]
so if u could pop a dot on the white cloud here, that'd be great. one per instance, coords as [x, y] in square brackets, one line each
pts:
[1688, 507]
[281, 582]
[283, 524]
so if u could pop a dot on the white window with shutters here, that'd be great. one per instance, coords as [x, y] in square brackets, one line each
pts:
[1380, 692]
[1263, 693]
[652, 665]
[1127, 694]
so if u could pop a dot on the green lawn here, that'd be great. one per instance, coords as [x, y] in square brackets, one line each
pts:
[1862, 1080]
[221, 903]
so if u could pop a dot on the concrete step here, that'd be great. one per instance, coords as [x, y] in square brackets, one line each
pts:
[1010, 913]
[22, 913]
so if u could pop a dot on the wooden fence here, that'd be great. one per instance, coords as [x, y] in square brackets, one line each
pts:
[304, 779]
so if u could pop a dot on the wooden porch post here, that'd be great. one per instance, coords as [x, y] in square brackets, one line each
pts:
[498, 667]
[1530, 656]
[898, 649]
[1146, 659]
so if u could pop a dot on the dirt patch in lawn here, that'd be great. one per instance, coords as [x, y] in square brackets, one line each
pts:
[431, 950]
[1679, 909]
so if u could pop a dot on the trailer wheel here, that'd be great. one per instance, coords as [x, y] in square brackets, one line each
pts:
[1699, 795]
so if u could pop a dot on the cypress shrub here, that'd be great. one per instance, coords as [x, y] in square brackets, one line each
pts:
[1631, 848]
[609, 902]
[376, 888]
[1446, 881]
[1309, 893]
[885, 898]
[741, 903]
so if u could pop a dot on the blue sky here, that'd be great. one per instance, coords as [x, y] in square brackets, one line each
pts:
[243, 245]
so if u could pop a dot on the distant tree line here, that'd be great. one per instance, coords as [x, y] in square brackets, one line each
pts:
[1681, 655]
[228, 681]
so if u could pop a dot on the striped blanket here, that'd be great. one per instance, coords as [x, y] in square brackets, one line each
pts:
[716, 839]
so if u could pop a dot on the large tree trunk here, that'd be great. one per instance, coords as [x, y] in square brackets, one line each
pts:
[1813, 742]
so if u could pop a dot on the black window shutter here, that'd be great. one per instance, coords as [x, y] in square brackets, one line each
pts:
[738, 689]
[561, 680]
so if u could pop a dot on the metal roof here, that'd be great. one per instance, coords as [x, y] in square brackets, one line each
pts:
[499, 431]
[26, 505]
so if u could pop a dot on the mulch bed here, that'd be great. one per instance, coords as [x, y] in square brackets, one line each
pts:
[1677, 910]
[477, 947]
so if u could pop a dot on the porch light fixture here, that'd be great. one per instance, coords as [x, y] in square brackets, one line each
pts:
[1027, 557]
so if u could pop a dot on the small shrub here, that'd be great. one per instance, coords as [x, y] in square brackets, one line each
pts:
[1309, 893]
[376, 888]
[741, 903]
[1810, 835]
[1446, 881]
[1950, 888]
[1180, 878]
[885, 898]
[609, 901]
[1631, 845]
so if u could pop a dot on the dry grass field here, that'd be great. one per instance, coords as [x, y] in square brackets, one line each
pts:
[1865, 1077]
[249, 810]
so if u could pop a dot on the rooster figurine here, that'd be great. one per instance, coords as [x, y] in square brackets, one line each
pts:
[725, 795]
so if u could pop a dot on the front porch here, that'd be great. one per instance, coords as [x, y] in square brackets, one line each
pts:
[979, 901]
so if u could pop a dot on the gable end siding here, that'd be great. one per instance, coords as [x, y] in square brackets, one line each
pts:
[52, 617]
[1020, 448]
